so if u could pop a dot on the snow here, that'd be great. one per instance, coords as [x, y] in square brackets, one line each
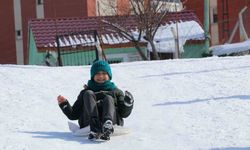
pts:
[164, 38]
[231, 48]
[185, 104]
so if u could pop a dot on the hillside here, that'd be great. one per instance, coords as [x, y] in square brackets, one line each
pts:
[187, 104]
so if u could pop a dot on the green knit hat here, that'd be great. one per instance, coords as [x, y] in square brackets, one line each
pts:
[100, 65]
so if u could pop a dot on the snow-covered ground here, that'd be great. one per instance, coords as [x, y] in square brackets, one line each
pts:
[231, 48]
[187, 104]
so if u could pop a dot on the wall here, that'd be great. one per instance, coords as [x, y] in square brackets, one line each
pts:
[34, 58]
[91, 8]
[52, 8]
[123, 7]
[124, 54]
[246, 18]
[197, 6]
[28, 12]
[193, 50]
[7, 33]
[234, 7]
[103, 7]
[65, 8]
[233, 13]
[214, 26]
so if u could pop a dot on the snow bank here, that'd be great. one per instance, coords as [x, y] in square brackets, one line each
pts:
[231, 48]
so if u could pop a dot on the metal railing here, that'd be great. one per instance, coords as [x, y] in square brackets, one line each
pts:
[78, 48]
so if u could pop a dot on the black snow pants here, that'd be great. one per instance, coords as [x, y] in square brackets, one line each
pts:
[99, 109]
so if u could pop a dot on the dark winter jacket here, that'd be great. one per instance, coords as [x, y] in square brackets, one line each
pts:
[77, 111]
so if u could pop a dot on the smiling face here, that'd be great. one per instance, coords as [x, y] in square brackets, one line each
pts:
[101, 77]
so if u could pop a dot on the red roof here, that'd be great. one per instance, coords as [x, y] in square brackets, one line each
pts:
[45, 30]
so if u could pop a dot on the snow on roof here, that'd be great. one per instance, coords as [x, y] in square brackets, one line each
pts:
[165, 38]
[45, 31]
[231, 48]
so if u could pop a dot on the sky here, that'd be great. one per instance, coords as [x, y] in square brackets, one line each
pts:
[181, 104]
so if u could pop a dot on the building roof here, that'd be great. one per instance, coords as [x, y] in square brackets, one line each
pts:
[75, 31]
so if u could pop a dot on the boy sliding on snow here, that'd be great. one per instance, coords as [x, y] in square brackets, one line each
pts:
[101, 104]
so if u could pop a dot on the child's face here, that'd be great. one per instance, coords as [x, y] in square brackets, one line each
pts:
[101, 77]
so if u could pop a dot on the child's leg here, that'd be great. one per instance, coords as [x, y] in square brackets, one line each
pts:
[108, 117]
[108, 109]
[90, 104]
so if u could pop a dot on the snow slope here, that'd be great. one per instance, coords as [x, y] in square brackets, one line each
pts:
[188, 104]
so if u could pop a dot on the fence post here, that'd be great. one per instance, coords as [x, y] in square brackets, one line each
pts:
[58, 51]
[96, 49]
[206, 24]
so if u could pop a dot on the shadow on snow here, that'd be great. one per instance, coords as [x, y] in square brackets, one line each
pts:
[240, 97]
[194, 72]
[66, 136]
[232, 148]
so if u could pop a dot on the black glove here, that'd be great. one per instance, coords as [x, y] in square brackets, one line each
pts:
[128, 99]
[100, 95]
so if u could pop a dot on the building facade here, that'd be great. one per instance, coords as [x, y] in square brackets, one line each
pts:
[15, 15]
[223, 17]
[81, 40]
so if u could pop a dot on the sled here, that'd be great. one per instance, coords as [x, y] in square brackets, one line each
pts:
[75, 129]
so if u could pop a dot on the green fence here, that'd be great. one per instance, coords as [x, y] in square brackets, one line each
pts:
[77, 54]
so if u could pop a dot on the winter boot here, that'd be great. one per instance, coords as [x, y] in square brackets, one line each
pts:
[93, 135]
[107, 130]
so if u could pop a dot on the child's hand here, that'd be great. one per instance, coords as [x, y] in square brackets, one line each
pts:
[61, 99]
[129, 100]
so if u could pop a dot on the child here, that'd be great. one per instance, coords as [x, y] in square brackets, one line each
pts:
[101, 104]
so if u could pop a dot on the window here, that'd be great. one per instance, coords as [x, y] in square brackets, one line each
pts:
[39, 2]
[18, 34]
[215, 15]
[115, 60]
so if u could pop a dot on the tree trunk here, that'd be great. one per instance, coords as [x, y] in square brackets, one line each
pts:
[155, 53]
[139, 50]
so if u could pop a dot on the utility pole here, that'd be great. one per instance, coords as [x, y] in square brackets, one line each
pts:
[175, 56]
[176, 36]
[206, 23]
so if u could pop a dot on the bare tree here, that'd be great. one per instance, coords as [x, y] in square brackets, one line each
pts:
[147, 15]
[118, 25]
